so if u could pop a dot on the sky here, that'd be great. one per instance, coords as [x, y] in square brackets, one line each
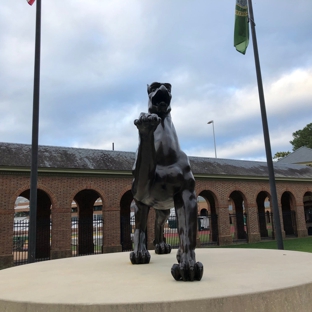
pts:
[98, 56]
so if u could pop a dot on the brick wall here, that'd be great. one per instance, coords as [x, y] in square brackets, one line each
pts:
[62, 189]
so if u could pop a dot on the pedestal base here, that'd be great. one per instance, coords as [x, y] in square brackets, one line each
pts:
[234, 280]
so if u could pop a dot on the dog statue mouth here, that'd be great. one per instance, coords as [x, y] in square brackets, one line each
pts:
[162, 106]
[161, 99]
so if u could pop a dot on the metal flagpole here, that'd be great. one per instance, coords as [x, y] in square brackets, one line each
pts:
[34, 144]
[276, 215]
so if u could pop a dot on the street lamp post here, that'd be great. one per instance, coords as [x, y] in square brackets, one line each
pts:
[214, 137]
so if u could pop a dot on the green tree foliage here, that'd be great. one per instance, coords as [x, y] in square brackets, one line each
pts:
[302, 137]
[279, 155]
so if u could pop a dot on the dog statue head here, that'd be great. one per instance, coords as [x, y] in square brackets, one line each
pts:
[159, 95]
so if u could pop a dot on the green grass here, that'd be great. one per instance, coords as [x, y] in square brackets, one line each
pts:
[172, 240]
[296, 244]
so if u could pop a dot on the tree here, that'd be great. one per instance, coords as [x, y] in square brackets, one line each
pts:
[279, 155]
[302, 137]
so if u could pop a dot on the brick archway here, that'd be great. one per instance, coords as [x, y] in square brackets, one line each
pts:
[265, 215]
[85, 200]
[239, 217]
[43, 225]
[212, 216]
[125, 221]
[307, 205]
[289, 214]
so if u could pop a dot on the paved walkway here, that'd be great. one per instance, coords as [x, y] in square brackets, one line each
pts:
[234, 280]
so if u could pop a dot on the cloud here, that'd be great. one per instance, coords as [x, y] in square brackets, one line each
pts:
[97, 57]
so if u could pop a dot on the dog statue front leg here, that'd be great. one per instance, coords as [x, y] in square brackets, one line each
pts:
[140, 254]
[145, 163]
[144, 173]
[187, 268]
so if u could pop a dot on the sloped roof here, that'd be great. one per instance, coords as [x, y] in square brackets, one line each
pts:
[68, 158]
[302, 155]
[19, 155]
[246, 168]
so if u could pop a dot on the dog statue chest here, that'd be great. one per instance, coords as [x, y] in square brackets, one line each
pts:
[166, 144]
[168, 174]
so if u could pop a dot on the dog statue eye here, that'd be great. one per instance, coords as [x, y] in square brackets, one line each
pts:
[168, 86]
[154, 86]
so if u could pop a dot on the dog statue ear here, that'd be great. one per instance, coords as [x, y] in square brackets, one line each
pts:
[148, 89]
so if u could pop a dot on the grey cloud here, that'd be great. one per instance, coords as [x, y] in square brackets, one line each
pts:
[98, 57]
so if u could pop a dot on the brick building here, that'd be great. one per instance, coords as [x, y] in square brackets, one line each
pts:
[236, 194]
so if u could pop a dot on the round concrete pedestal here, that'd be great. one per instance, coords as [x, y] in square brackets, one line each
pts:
[234, 280]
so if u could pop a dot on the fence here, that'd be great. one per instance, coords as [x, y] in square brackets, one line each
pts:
[171, 232]
[238, 222]
[208, 230]
[20, 240]
[266, 225]
[127, 224]
[87, 236]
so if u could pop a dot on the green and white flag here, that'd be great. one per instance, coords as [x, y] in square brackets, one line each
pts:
[241, 28]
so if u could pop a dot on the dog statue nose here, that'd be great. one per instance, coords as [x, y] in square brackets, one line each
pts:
[163, 88]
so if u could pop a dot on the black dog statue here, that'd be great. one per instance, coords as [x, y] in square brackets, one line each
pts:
[162, 180]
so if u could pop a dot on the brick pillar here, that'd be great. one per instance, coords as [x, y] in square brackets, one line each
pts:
[111, 231]
[253, 226]
[300, 221]
[61, 233]
[225, 237]
[281, 221]
[6, 238]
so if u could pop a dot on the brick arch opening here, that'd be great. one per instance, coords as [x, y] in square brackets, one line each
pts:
[211, 225]
[265, 216]
[238, 217]
[307, 204]
[289, 214]
[43, 229]
[203, 212]
[126, 221]
[87, 232]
